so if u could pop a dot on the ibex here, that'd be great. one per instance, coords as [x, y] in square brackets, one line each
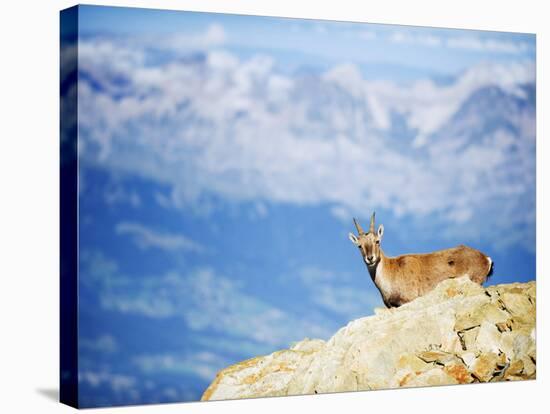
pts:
[404, 278]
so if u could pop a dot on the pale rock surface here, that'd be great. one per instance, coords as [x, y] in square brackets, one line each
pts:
[458, 333]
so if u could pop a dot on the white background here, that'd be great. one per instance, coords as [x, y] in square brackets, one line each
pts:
[29, 212]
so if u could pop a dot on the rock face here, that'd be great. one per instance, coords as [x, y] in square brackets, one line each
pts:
[458, 333]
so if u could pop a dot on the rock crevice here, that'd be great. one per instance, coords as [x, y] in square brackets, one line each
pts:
[458, 333]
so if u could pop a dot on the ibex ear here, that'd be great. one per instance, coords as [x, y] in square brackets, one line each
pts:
[380, 231]
[353, 239]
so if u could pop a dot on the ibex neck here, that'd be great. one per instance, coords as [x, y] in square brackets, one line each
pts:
[376, 266]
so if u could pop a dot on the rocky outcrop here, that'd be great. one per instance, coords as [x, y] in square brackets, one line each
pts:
[458, 333]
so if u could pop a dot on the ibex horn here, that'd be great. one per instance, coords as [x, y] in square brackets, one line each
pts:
[358, 226]
[371, 229]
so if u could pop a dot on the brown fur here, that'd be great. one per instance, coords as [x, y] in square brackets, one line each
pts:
[404, 278]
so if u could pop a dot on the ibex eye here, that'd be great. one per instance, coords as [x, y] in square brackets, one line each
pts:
[377, 241]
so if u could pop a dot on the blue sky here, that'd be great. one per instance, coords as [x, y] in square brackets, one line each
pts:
[222, 158]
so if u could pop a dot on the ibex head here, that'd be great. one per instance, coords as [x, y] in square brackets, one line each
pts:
[368, 243]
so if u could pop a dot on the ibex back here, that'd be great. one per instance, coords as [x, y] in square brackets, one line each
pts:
[403, 278]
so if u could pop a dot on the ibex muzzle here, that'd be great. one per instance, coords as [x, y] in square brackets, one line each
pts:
[403, 278]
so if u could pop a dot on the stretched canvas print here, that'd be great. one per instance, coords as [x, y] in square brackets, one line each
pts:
[257, 206]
